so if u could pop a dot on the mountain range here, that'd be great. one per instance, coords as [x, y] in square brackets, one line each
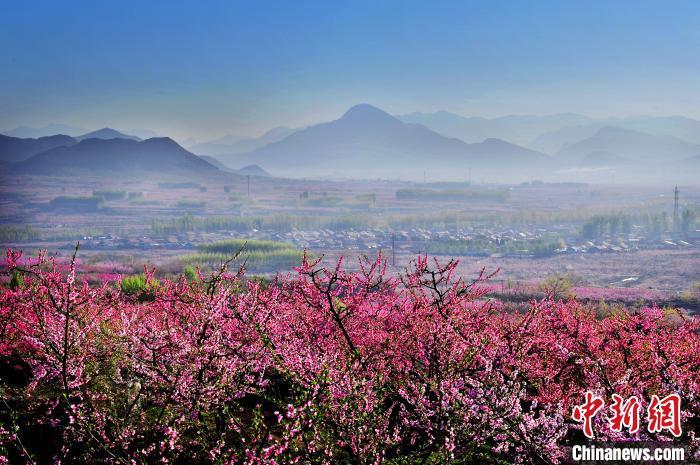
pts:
[250, 170]
[116, 156]
[549, 133]
[231, 144]
[15, 149]
[518, 129]
[106, 133]
[366, 141]
[631, 145]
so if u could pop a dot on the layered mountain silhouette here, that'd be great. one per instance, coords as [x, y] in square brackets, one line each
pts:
[106, 133]
[231, 144]
[683, 128]
[15, 149]
[116, 156]
[633, 145]
[28, 132]
[368, 142]
[250, 170]
[519, 129]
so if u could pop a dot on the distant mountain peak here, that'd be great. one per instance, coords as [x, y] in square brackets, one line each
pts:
[496, 142]
[162, 142]
[367, 141]
[365, 111]
[106, 133]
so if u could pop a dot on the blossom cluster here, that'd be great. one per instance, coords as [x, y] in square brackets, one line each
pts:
[319, 366]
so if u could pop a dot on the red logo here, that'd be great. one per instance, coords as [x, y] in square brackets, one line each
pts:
[587, 412]
[665, 414]
[662, 414]
[625, 413]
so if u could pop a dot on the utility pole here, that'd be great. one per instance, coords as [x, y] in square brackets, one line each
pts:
[393, 249]
[676, 222]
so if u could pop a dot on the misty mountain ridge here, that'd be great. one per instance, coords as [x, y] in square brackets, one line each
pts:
[117, 156]
[15, 149]
[28, 132]
[518, 129]
[367, 141]
[232, 144]
[249, 170]
[681, 127]
[629, 144]
[107, 133]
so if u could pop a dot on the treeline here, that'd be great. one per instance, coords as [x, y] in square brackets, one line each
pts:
[452, 194]
[601, 225]
[539, 247]
[78, 204]
[257, 254]
[282, 223]
[651, 222]
[110, 195]
[17, 233]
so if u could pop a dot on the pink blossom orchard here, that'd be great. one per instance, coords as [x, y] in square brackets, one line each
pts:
[320, 366]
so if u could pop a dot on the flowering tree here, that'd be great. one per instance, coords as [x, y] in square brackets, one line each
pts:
[320, 366]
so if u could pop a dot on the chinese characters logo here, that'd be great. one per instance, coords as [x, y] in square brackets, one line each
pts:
[662, 414]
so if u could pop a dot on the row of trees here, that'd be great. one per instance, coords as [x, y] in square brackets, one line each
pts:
[621, 223]
[325, 366]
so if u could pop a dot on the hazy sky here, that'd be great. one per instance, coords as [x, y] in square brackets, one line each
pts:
[203, 69]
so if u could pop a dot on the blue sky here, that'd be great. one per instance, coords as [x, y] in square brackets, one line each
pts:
[203, 69]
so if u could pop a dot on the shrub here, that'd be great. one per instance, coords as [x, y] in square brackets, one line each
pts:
[140, 286]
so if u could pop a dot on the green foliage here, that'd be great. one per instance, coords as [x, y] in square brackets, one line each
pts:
[256, 254]
[63, 202]
[612, 224]
[17, 233]
[110, 195]
[499, 195]
[190, 273]
[559, 285]
[16, 280]
[139, 286]
[232, 246]
[692, 295]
